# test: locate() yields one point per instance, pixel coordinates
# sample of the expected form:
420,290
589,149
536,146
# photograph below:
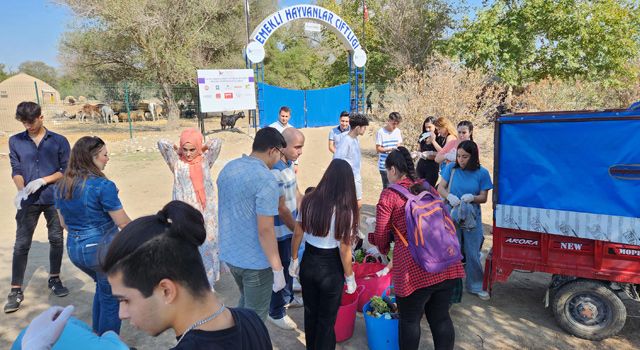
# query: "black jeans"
26,220
385,179
433,301
322,281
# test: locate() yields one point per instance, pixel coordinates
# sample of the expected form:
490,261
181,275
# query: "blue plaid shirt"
33,162
246,189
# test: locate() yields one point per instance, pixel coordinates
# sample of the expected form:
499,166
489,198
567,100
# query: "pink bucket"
374,285
346,319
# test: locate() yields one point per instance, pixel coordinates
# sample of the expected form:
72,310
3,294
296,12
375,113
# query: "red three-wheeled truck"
567,202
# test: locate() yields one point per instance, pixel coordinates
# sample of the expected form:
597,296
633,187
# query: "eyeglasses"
282,156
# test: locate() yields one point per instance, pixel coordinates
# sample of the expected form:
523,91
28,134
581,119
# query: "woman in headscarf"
191,161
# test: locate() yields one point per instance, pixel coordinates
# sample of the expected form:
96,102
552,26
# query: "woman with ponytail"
158,276
418,292
91,212
190,161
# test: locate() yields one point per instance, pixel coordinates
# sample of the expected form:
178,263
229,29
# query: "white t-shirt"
386,139
327,242
279,126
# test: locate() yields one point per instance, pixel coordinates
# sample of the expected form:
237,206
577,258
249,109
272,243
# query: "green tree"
3,75
396,35
41,71
160,42
525,41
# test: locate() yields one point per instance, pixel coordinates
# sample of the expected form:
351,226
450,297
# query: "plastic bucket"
366,276
346,318
382,334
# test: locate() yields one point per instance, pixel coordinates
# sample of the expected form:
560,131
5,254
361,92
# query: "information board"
223,90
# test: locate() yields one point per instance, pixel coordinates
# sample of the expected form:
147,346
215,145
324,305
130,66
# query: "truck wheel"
588,310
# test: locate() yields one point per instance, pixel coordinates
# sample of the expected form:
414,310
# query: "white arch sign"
260,35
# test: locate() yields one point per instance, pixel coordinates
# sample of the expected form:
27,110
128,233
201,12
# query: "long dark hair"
152,248
400,158
430,119
474,157
81,165
335,194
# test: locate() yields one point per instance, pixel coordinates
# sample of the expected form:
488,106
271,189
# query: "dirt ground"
514,318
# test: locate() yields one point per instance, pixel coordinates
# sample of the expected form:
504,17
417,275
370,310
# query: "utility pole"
246,16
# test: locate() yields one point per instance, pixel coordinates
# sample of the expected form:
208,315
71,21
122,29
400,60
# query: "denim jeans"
85,249
26,220
322,280
471,242
385,179
281,298
255,288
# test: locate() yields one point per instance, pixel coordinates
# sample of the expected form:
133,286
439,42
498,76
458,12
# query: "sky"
31,29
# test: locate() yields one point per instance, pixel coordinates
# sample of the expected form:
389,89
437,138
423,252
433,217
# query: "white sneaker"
483,295
295,303
284,323
296,285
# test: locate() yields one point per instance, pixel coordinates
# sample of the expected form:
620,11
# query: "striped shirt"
286,177
386,139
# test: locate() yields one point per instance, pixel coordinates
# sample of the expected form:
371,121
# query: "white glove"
278,281
34,185
451,156
383,272
294,268
351,284
415,155
467,198
44,330
20,196
453,200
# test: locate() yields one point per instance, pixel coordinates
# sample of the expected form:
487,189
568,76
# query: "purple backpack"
431,235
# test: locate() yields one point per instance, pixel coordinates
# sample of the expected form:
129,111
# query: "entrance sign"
226,90
308,12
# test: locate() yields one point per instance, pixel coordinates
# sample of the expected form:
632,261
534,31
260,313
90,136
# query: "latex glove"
278,281
20,196
45,329
373,251
383,272
453,200
467,198
294,268
351,284
34,185
425,154
451,156
415,155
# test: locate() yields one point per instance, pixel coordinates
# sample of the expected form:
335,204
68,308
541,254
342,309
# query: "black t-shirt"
249,333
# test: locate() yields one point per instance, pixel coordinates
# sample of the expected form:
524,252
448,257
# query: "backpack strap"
402,190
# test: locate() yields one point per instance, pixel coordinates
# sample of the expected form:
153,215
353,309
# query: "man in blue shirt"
248,197
284,172
38,158
336,133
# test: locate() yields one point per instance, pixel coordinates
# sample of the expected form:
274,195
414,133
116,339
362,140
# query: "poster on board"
223,90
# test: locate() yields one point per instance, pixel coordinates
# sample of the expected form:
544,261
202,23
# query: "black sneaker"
14,300
55,284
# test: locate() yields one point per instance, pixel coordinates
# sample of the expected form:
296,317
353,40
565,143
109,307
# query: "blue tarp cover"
565,165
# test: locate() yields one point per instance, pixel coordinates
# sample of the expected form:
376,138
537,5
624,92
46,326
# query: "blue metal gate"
309,108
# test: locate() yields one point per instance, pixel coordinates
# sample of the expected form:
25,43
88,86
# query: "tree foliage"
525,41
160,42
40,70
3,75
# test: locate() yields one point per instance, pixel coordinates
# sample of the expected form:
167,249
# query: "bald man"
284,222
